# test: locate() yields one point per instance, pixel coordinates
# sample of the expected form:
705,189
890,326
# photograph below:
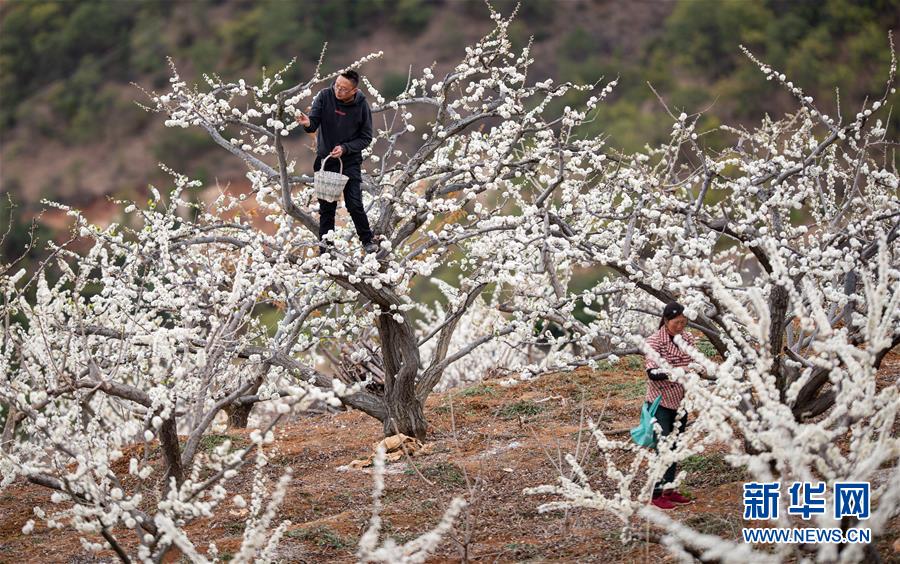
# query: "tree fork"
239,413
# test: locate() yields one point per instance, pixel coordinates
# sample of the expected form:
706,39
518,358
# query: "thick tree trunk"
408,419
9,427
239,414
778,306
168,440
400,353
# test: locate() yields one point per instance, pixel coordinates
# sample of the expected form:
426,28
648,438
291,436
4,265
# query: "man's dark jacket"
347,124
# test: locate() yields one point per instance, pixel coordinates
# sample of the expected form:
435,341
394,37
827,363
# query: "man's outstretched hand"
302,119
337,151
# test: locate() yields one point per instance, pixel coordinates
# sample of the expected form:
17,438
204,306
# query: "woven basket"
330,185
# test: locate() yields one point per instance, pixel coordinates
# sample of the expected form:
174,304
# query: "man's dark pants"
352,199
666,419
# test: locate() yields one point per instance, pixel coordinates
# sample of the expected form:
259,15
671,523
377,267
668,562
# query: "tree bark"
239,413
408,419
778,306
400,353
168,441
9,427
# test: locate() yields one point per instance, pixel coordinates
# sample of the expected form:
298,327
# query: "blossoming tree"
783,247
490,138
157,329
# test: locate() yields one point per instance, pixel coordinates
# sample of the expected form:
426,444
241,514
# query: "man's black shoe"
325,247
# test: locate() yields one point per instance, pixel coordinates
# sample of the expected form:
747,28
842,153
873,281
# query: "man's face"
344,89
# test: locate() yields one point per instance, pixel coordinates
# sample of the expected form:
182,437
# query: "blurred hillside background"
70,130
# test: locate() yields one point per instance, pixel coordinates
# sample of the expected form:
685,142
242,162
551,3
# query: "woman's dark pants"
352,199
666,419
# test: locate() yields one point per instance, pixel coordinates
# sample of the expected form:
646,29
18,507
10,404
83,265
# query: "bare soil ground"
507,439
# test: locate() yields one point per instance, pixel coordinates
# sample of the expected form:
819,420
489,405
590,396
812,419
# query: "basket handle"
322,166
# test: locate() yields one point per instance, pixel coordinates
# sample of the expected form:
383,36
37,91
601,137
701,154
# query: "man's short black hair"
352,76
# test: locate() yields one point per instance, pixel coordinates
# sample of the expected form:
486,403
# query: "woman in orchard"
671,324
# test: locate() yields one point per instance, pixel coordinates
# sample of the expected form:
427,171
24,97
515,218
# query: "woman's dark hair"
352,76
671,311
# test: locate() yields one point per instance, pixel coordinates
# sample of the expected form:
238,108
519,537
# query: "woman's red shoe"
662,502
675,497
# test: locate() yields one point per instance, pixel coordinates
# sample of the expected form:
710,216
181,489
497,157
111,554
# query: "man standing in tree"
343,119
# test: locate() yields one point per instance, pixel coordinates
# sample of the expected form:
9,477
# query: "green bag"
643,434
